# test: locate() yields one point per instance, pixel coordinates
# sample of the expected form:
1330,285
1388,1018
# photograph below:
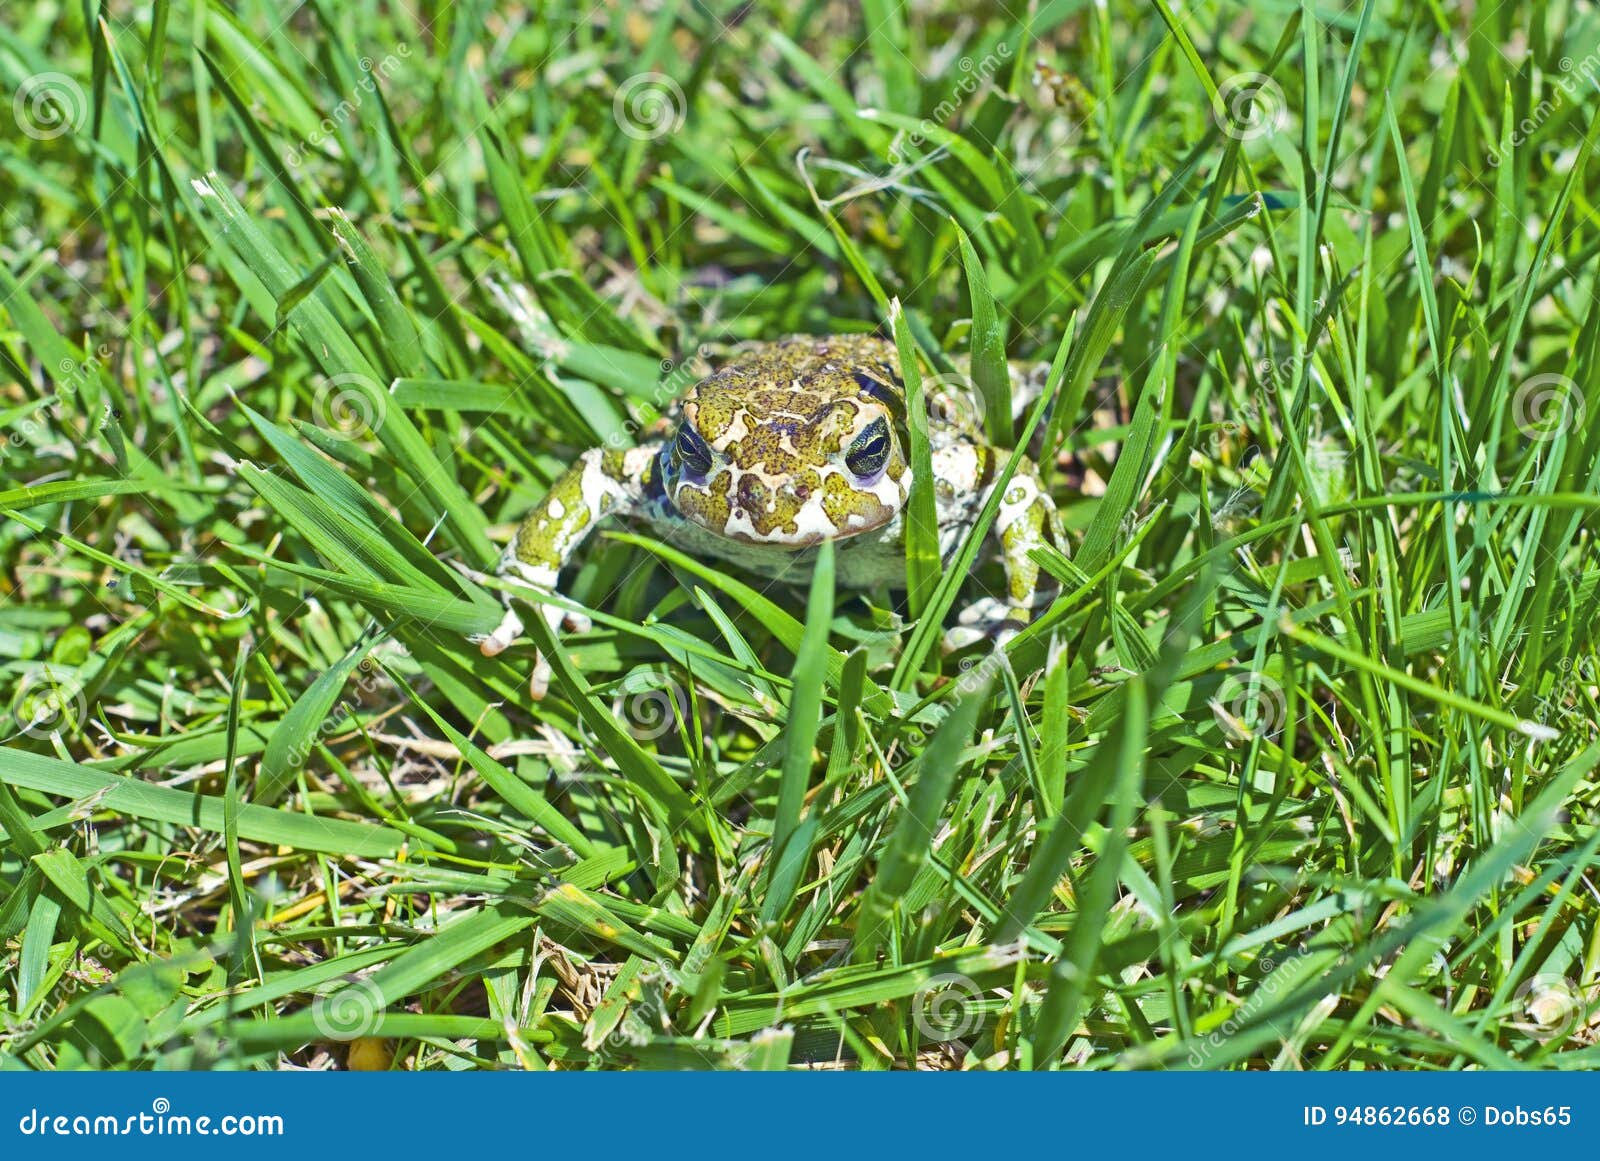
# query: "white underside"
863,561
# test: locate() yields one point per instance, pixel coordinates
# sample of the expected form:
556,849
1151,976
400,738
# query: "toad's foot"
511,627
986,619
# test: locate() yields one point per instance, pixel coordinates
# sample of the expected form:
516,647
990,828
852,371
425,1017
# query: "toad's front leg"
601,483
1026,520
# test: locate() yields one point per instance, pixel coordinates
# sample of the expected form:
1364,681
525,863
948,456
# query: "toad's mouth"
807,530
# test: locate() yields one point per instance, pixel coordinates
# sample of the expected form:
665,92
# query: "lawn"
303,305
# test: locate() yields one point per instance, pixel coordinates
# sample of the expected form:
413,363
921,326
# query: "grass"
302,305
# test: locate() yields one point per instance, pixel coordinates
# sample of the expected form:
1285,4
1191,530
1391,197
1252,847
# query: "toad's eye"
691,451
870,451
